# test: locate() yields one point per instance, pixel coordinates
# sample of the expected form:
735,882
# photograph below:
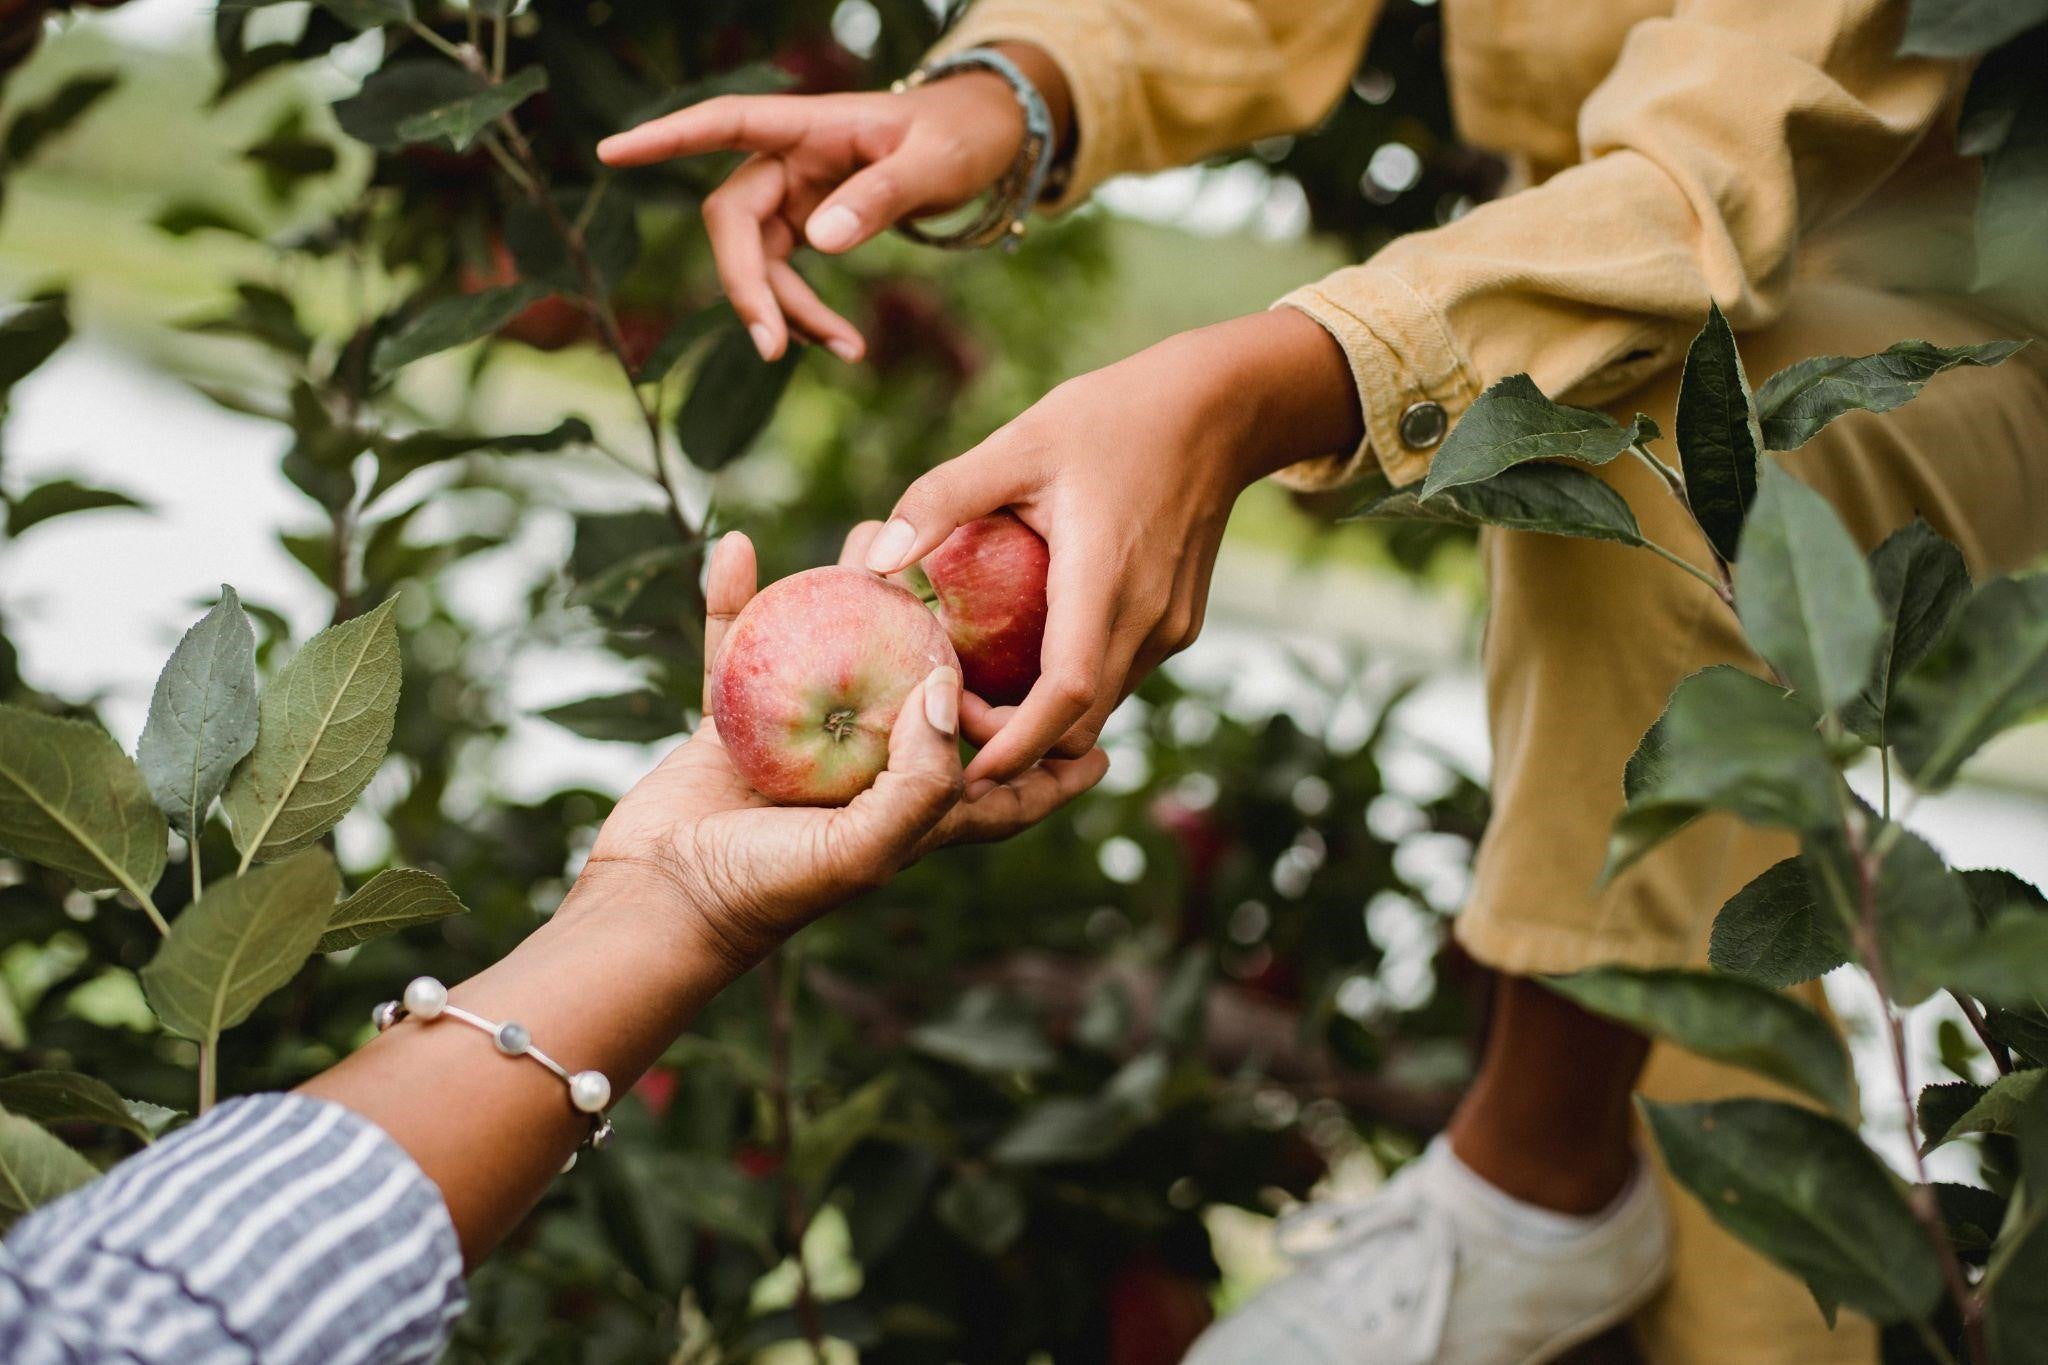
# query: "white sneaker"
1438,1267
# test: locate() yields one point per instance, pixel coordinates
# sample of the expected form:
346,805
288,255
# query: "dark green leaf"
707,1192
1798,401
640,717
397,898
460,122
1988,672
187,216
1923,915
2012,208
1972,1217
1063,1128
2024,1031
398,456
2015,1283
1719,443
261,314
1803,1189
1776,932
29,335
2005,963
71,800
1513,423
60,498
1964,28
1938,1109
1993,891
1553,499
1804,594
1726,741
35,1168
51,1097
1997,1109
731,399
987,1033
402,91
37,124
243,939
823,1141
455,322
202,715
326,721
1920,580
677,341
1725,1019
985,1211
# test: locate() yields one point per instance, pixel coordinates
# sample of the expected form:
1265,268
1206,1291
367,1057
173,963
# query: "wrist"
651,905
1281,388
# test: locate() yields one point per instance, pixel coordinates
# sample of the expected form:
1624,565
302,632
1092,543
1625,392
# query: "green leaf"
398,456
1775,931
1924,916
677,341
455,322
1803,592
1064,1128
246,937
1719,443
1798,401
396,898
1920,579
1726,741
51,1097
1996,1110
1724,1019
1513,423
262,314
37,124
202,715
461,122
35,1168
2012,208
1938,1108
29,335
731,399
395,94
1552,499
985,1211
61,498
706,1191
2015,1283
824,1141
71,800
1964,28
1803,1189
1989,671
2005,963
640,717
986,1033
326,721
188,216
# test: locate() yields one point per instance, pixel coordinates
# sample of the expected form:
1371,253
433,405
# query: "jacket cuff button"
1423,425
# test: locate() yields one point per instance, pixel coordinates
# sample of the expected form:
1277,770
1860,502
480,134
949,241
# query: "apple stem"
840,724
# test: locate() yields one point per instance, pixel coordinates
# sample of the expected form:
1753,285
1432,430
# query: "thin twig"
209,1073
2001,1058
434,40
1721,589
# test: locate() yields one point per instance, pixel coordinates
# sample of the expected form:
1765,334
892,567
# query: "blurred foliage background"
1010,1108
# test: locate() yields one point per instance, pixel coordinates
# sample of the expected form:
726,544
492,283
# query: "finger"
1078,627
853,554
734,218
809,314
728,587
878,830
1016,806
963,488
1120,672
870,201
745,123
979,721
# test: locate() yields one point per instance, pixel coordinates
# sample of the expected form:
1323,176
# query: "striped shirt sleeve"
279,1229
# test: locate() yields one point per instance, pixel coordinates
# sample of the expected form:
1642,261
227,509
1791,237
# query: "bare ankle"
1583,1180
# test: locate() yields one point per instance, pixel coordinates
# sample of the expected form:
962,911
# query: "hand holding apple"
989,577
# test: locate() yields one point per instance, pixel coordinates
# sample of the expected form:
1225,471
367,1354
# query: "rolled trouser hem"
1524,949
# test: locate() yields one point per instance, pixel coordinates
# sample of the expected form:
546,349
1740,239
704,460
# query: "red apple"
811,676
990,579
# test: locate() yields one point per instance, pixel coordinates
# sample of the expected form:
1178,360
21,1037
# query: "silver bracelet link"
1005,213
590,1092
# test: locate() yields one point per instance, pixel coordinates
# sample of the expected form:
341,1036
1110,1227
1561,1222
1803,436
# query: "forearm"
1276,384
606,984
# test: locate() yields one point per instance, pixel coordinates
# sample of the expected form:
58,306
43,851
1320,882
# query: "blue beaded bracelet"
1004,216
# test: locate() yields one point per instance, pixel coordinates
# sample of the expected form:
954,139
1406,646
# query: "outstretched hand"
753,872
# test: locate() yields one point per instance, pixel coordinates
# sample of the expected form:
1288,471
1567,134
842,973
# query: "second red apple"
989,577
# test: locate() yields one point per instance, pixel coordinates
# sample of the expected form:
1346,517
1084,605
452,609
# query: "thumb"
944,499
922,782
868,202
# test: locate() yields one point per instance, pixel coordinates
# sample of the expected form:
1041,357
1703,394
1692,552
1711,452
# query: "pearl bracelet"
426,999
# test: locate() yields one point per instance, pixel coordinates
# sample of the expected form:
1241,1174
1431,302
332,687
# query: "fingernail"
846,350
978,789
942,700
833,228
763,338
891,547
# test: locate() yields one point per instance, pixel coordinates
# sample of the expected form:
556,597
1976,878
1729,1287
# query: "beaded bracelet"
1003,218
426,999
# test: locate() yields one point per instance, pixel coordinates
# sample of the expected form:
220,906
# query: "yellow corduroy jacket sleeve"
1722,134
